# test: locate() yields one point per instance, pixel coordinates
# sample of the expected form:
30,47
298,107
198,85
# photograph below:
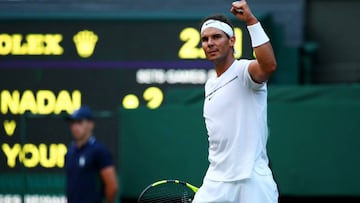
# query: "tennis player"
235,112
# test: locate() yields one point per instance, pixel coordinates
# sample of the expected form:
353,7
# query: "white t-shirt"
235,112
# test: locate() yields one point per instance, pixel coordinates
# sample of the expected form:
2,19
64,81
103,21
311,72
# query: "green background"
313,142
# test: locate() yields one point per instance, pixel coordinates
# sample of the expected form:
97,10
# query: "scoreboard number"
191,40
152,95
189,50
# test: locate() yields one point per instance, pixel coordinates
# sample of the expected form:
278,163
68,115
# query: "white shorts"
257,189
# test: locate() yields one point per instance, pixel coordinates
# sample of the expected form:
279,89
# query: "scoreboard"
142,52
107,40
49,68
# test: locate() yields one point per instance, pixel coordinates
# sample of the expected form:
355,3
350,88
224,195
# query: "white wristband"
257,35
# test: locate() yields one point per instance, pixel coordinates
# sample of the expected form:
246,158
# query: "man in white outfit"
235,112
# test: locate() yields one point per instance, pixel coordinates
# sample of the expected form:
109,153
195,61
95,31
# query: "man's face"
216,44
81,128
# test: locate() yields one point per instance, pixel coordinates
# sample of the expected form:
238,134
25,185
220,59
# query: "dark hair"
219,17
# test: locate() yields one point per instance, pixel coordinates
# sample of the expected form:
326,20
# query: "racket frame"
160,182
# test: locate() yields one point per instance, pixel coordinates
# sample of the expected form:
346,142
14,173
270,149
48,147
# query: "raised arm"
264,66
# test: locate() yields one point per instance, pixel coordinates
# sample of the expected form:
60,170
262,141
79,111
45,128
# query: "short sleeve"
103,157
247,77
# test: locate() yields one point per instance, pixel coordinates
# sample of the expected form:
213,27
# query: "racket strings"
168,193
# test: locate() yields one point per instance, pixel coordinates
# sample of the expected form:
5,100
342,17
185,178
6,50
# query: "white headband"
219,25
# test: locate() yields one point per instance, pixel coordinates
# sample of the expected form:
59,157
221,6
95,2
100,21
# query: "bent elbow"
273,66
268,66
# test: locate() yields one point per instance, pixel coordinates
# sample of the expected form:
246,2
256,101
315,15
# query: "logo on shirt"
211,94
82,161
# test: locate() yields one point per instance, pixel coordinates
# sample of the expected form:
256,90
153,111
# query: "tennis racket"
168,191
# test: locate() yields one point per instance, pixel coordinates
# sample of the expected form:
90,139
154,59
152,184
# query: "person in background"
90,172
